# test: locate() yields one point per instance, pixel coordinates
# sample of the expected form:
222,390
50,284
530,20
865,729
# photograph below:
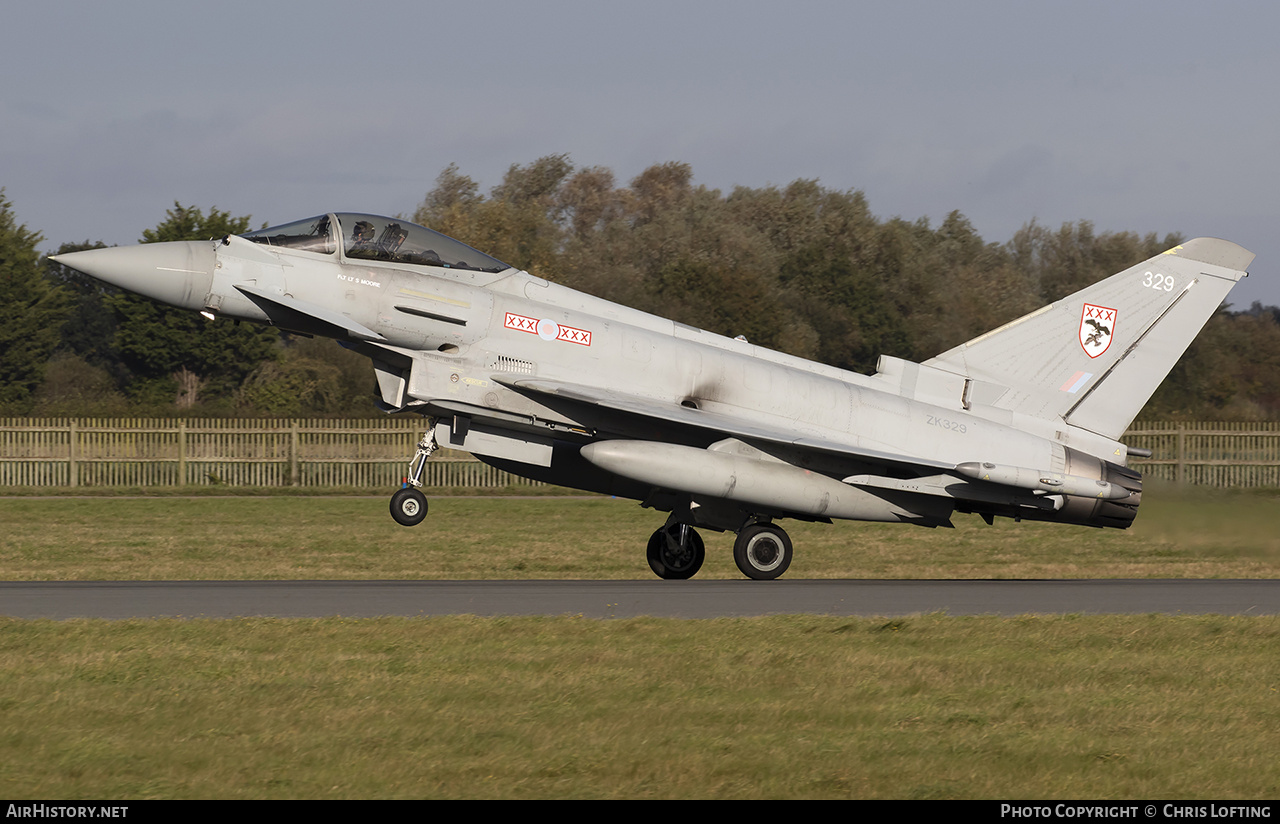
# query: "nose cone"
179,273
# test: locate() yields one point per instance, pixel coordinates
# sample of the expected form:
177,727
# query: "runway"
624,599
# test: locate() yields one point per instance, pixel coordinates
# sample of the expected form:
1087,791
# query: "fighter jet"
560,386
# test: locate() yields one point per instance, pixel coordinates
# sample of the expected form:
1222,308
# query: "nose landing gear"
408,505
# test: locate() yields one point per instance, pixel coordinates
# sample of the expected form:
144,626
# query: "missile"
1042,481
755,484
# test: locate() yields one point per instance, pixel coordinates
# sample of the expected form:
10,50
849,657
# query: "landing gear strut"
408,505
676,552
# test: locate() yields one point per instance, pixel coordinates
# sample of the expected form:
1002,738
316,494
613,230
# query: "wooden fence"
1209,454
375,453
206,452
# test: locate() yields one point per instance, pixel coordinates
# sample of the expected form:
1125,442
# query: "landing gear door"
460,433
392,385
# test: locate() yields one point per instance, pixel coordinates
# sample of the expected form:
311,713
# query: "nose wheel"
408,507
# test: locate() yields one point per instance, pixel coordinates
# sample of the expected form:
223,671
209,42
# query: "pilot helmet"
362,232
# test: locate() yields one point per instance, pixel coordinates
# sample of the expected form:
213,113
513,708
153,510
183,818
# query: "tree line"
803,269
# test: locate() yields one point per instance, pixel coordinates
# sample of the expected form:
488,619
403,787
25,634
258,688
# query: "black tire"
762,552
408,507
669,559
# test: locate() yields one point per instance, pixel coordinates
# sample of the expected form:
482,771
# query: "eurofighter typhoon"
559,386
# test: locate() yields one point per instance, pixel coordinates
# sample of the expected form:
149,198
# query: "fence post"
1181,474
293,453
182,452
73,466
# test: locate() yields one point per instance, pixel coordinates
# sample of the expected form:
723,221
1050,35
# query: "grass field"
1122,707
791,707
1177,535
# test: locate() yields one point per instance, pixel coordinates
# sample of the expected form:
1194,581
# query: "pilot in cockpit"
362,234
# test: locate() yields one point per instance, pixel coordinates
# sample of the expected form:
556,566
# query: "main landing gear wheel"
676,552
762,552
408,507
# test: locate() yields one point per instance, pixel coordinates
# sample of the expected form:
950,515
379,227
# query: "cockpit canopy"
371,237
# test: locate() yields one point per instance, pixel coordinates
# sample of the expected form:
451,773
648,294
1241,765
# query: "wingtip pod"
1215,252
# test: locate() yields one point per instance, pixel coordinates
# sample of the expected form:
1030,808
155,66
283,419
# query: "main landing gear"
762,551
408,505
676,552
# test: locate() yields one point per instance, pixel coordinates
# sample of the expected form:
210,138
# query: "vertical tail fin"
1094,358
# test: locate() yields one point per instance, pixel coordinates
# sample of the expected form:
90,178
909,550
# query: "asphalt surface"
622,599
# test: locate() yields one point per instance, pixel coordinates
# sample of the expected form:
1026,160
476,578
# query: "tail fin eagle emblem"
1097,328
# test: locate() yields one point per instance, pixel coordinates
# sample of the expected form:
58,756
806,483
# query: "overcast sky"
1139,116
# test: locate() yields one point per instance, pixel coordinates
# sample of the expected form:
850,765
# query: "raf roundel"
548,329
